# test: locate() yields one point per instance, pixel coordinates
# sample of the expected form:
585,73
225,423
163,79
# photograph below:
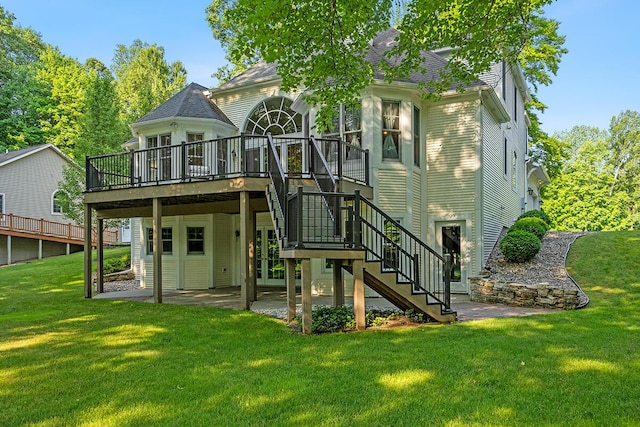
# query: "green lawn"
68,361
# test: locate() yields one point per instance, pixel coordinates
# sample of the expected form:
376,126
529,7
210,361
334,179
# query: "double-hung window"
416,136
56,209
346,125
390,130
167,240
195,150
195,240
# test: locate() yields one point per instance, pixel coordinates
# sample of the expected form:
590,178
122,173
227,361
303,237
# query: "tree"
21,95
322,46
597,188
144,79
65,79
101,131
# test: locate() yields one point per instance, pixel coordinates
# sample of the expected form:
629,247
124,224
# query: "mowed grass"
67,361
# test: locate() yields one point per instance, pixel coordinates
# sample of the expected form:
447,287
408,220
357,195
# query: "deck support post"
100,256
338,283
9,249
39,248
248,252
306,296
358,294
157,250
87,251
290,264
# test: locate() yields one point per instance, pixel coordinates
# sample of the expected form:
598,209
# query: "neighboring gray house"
32,224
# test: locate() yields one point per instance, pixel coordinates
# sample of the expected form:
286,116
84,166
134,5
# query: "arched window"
55,205
273,115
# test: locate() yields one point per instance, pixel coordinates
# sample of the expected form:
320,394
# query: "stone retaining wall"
542,295
117,276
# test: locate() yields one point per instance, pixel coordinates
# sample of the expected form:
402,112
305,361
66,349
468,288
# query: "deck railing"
45,228
244,155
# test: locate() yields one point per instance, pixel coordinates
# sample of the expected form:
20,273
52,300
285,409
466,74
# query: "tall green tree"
101,129
144,79
322,45
65,80
21,94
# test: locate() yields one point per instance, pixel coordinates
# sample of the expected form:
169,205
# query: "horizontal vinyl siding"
452,166
392,190
196,274
496,185
222,249
29,183
417,204
452,162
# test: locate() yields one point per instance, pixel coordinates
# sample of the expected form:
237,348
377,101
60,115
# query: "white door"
270,269
450,237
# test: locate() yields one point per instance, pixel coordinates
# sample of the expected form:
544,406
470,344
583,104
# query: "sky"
597,79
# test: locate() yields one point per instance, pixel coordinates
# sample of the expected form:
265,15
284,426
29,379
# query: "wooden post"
291,289
100,257
87,251
157,250
9,249
338,283
358,294
306,296
247,252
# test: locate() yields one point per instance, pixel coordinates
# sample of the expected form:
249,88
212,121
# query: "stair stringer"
400,295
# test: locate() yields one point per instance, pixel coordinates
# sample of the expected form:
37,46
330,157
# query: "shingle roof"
432,64
5,157
189,102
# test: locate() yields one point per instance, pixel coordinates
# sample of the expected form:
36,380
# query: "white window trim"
53,198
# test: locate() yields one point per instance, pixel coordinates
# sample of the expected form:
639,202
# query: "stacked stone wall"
542,295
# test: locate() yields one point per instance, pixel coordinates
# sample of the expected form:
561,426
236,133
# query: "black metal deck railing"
359,224
244,155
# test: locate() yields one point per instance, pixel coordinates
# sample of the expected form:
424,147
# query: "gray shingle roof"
5,157
432,63
189,102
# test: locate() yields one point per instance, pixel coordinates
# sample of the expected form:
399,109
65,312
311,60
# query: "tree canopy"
322,45
598,188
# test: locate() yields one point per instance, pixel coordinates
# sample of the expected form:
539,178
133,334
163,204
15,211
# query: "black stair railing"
279,181
400,251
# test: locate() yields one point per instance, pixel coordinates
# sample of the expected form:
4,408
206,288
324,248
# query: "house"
32,224
241,190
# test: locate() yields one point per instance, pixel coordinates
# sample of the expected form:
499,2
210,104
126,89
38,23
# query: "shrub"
114,265
331,319
519,246
532,225
537,214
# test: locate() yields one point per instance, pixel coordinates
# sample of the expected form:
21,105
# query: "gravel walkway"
548,266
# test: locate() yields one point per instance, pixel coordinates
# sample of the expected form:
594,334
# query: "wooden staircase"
320,222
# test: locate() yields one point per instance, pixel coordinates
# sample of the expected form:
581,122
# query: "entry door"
270,269
451,240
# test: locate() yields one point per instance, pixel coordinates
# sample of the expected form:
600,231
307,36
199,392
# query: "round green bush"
537,214
519,246
532,225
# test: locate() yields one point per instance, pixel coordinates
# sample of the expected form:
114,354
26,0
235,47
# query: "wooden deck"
34,228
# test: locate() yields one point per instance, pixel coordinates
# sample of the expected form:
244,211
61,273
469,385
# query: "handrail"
43,227
277,175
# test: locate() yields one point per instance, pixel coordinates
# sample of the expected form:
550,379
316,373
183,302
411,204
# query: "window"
159,161
390,130
195,151
167,240
1,203
416,136
515,104
505,156
195,240
346,126
514,171
55,204
275,116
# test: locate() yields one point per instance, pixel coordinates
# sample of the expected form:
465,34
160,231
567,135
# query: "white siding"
417,204
223,231
392,190
452,167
